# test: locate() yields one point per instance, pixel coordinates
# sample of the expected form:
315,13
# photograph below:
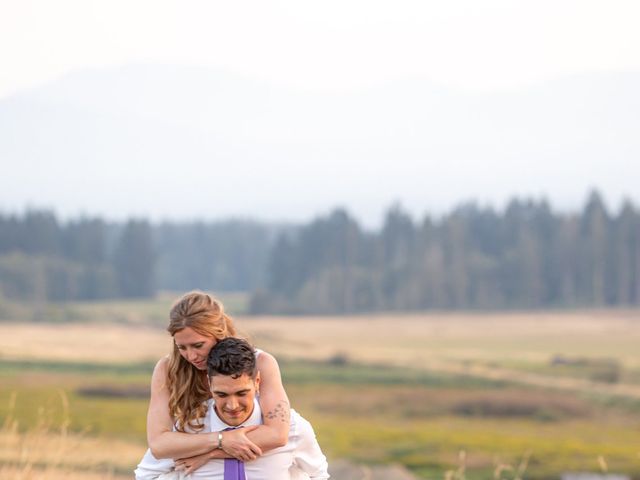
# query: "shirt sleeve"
151,468
308,456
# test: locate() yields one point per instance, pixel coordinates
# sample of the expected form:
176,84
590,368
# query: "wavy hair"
188,386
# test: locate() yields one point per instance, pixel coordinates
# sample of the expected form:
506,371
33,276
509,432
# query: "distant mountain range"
179,142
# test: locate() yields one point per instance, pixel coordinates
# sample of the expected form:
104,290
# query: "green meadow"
368,415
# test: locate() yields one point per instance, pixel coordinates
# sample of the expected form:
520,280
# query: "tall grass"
49,451
27,455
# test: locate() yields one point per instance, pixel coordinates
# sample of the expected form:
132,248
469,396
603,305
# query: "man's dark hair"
233,357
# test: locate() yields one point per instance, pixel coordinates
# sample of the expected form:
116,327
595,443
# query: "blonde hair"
188,387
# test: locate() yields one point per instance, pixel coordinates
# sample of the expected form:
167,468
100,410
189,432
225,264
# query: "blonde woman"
179,392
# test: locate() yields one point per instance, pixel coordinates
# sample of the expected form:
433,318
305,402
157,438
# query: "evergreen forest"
525,256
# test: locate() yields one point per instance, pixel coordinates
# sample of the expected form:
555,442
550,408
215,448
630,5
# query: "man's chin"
234,420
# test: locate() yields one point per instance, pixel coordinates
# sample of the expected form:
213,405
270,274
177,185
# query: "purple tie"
233,468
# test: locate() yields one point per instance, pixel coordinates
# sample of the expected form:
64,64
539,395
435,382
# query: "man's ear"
257,382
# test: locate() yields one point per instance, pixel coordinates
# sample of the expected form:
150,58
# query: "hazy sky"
485,44
479,46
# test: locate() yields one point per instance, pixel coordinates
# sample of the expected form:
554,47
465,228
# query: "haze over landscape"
422,104
180,143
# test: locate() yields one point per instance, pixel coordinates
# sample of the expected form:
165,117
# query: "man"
234,382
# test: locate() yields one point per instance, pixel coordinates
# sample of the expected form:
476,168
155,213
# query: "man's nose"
232,403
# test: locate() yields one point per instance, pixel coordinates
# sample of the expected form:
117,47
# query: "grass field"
560,389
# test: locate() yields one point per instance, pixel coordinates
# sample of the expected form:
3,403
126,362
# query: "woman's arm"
274,404
165,443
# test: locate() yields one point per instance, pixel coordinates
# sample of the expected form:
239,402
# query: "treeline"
87,259
525,256
44,259
473,258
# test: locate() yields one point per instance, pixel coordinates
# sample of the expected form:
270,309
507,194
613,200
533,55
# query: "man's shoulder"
299,427
296,418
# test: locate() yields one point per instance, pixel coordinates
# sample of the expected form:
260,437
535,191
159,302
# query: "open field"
561,389
368,415
515,347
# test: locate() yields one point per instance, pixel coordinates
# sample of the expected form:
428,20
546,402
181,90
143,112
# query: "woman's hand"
236,444
190,464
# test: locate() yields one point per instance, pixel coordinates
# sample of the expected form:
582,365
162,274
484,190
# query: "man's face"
234,397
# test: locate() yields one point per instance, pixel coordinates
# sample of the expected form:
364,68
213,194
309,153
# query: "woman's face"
194,347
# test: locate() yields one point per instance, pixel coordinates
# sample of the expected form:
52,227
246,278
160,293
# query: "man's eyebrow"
219,392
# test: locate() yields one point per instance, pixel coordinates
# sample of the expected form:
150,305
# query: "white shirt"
301,458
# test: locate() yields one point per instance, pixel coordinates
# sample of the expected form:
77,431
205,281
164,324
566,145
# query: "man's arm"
308,456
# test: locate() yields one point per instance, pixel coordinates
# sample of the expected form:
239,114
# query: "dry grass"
51,452
454,336
496,346
82,342
482,345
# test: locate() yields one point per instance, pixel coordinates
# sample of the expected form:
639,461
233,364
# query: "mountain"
187,142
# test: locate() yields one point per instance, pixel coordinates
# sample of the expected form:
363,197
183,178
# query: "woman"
180,390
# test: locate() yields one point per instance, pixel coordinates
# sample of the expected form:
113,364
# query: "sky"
473,44
481,47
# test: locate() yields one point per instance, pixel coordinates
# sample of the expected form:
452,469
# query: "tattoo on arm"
281,411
